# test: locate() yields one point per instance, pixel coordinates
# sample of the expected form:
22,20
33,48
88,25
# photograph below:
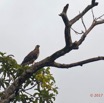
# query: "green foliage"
39,88
8,70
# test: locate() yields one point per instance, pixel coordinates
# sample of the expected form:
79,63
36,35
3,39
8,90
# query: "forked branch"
89,7
94,23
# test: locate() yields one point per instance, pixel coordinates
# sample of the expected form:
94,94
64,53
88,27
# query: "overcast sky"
26,23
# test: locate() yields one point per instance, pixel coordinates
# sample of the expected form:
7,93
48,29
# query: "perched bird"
31,57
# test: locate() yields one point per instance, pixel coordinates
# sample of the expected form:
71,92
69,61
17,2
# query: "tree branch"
99,22
68,39
80,63
83,24
83,12
94,23
64,16
7,100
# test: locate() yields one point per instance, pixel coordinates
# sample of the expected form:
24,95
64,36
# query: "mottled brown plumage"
31,57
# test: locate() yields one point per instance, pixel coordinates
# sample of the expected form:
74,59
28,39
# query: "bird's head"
37,46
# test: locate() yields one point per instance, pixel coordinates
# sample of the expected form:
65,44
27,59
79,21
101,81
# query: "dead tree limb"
79,63
94,23
68,39
89,7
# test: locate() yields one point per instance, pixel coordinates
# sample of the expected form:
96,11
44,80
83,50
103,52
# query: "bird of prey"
31,57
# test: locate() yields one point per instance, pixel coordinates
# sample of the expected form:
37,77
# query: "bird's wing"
29,57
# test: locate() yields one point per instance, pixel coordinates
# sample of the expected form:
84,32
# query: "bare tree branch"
92,14
99,22
85,34
94,23
100,17
80,63
94,3
64,16
83,12
77,31
83,24
68,39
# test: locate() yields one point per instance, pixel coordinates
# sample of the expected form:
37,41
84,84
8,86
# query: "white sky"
26,23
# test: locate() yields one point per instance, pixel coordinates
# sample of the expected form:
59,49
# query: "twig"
31,87
27,93
93,14
76,31
83,23
99,17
